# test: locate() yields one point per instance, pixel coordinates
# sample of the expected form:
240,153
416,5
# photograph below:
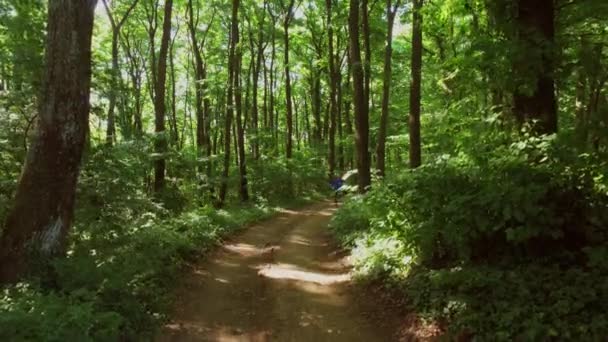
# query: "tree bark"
115,73
111,123
288,99
271,86
232,61
38,223
256,76
361,107
582,120
173,120
160,141
536,30
333,84
339,100
136,70
266,91
240,125
415,86
202,104
316,105
391,12
366,34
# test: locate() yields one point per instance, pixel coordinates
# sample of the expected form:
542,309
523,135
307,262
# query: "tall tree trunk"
339,101
288,99
333,107
272,85
232,66
391,11
415,87
235,137
361,108
297,124
347,118
240,125
536,30
326,121
582,120
266,90
173,122
111,123
316,105
135,74
160,141
38,223
366,35
307,122
115,72
256,77
202,105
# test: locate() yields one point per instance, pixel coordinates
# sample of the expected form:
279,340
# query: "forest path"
281,280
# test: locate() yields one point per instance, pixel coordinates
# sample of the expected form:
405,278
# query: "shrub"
505,246
125,251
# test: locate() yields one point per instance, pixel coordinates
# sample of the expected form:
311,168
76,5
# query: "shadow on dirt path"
281,280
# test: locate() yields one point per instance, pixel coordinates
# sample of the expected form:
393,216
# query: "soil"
284,279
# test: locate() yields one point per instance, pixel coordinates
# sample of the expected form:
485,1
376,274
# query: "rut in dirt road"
281,280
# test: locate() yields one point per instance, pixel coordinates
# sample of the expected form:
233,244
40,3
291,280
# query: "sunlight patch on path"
280,280
244,249
291,272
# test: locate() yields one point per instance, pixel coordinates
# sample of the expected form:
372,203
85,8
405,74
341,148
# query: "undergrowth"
126,250
507,245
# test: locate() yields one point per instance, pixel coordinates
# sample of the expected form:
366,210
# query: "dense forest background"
478,131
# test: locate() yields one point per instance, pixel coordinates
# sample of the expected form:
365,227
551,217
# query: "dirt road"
280,280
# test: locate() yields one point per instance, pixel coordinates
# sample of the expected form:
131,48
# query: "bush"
509,245
125,251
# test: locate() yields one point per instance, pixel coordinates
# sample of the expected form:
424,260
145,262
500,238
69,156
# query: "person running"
336,184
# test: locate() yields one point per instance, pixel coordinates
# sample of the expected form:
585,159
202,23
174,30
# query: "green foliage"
279,179
504,237
505,245
29,314
528,302
22,33
125,252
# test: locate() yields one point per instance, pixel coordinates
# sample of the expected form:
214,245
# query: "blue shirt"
336,183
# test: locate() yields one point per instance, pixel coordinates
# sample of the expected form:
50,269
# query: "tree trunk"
266,91
232,66
391,11
347,118
536,30
240,125
288,99
307,122
115,72
173,122
361,107
316,105
160,141
339,101
38,223
415,87
135,74
255,109
111,123
203,141
332,90
297,123
272,86
582,121
366,34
